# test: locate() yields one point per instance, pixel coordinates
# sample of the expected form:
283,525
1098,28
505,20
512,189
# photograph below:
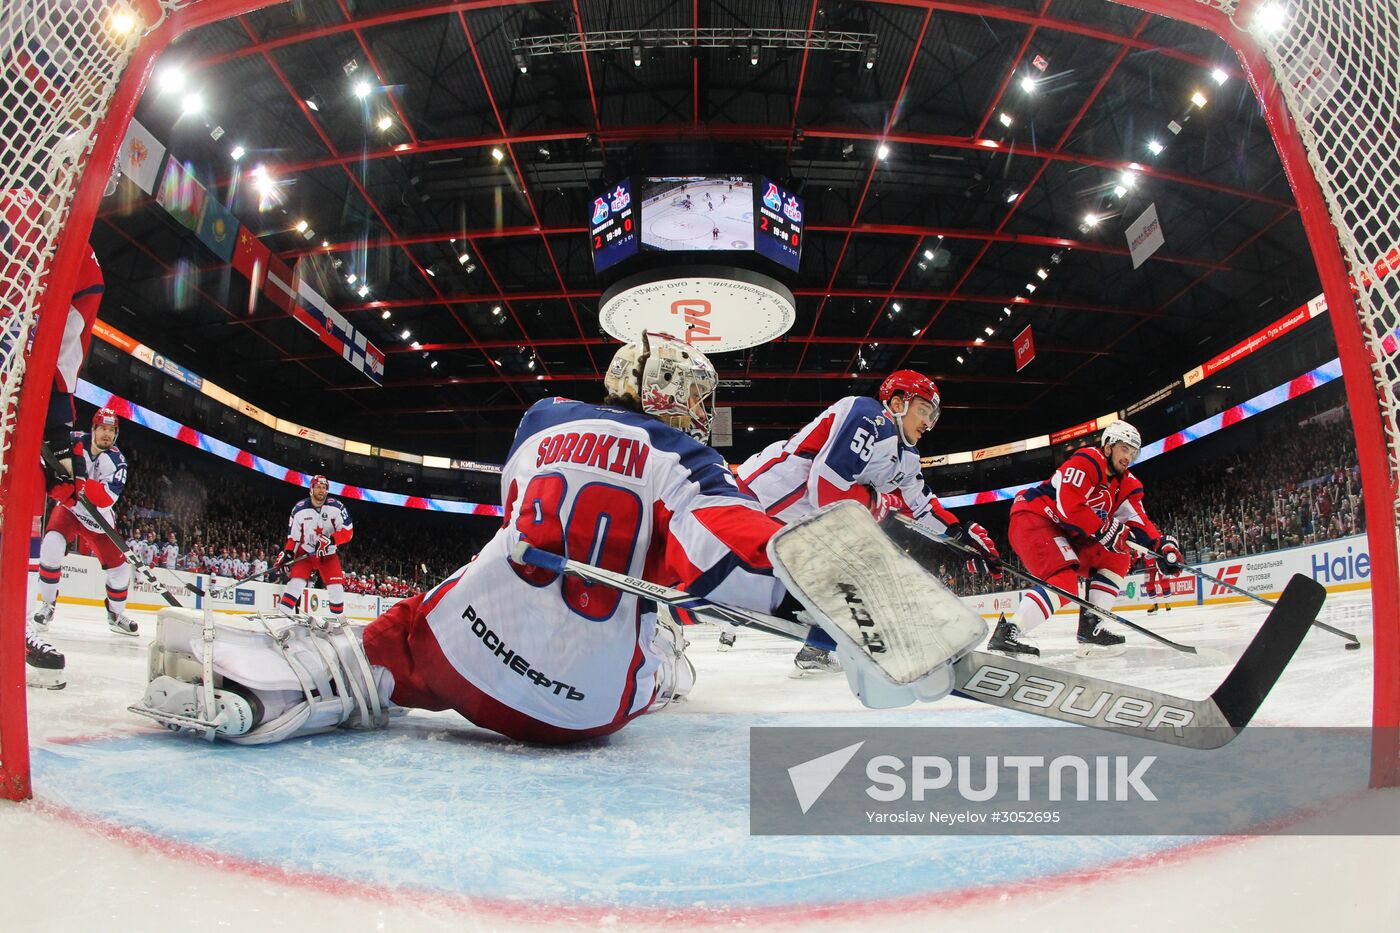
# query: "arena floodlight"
361,89
636,53
522,60
872,52
753,52
1028,84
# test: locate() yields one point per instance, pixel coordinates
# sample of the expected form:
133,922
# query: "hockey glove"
322,543
1113,536
283,559
1169,560
974,536
882,504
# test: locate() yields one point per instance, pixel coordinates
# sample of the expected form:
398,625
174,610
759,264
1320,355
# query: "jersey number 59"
601,529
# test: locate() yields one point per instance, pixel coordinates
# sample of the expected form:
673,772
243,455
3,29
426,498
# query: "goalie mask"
669,380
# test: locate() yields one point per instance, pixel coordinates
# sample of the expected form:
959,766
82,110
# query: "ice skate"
43,617
1153,609
1008,640
43,664
1096,641
810,661
121,623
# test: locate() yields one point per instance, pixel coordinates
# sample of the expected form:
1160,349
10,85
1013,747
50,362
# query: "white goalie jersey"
609,487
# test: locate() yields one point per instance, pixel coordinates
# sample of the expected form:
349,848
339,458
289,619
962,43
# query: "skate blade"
1013,655
47,680
798,673
121,631
1098,652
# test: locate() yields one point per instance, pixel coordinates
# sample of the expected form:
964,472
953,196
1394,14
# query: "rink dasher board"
1340,565
84,584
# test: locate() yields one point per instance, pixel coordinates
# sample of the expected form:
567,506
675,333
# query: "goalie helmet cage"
1326,73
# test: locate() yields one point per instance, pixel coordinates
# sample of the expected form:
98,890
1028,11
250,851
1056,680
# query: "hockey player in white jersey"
626,486
101,479
865,449
318,527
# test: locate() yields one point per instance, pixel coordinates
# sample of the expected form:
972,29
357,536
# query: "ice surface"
435,824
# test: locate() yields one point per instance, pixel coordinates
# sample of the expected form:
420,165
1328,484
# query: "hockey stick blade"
1150,714
1353,643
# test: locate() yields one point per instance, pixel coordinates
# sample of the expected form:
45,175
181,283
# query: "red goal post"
1321,69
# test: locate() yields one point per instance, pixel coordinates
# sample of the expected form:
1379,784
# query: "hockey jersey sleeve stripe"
1083,454
744,531
779,505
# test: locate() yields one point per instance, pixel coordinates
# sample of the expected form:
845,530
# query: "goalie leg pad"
675,675
896,628
308,675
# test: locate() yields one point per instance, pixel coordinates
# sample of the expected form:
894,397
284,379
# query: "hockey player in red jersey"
865,449
318,527
1077,524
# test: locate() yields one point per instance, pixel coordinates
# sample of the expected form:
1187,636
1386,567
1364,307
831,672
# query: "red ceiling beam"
520,177
259,46
379,73
968,8
875,160
1039,173
582,294
358,185
801,78
951,233
1017,380
769,133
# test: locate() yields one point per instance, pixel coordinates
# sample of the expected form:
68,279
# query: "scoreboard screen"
612,227
696,214
778,231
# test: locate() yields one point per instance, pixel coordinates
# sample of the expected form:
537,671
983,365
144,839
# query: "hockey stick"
141,566
268,569
1353,643
1036,581
1045,691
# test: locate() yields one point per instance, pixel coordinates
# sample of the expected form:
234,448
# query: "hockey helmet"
908,382
669,379
1121,432
105,416
319,480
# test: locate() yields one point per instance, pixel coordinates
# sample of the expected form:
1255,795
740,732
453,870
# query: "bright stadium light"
1155,147
1028,84
361,89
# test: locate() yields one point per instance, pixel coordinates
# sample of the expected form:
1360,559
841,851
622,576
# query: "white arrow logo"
811,778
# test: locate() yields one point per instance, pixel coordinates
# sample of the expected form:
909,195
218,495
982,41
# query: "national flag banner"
333,329
250,257
181,194
218,229
140,156
1024,345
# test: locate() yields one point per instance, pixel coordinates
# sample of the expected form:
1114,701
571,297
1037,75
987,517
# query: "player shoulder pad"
1090,455
1130,485
873,413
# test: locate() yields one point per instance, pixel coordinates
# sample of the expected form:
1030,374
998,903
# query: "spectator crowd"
232,523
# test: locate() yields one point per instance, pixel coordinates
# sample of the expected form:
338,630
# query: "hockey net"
73,69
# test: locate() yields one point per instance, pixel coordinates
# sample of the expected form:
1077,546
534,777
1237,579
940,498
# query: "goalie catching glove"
974,536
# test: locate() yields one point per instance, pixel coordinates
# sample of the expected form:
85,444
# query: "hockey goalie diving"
527,642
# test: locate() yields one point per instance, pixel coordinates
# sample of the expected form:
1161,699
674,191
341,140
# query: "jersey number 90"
601,529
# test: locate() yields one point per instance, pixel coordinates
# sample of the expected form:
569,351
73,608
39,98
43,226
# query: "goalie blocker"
898,631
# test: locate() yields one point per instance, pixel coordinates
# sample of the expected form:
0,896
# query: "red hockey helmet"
105,416
910,383
319,480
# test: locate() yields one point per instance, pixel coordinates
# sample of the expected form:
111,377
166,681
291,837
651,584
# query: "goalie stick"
1353,643
1072,597
1046,691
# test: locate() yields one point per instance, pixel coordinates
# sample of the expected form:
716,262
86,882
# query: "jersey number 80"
601,529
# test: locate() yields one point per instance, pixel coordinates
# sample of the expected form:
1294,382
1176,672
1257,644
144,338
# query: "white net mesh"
62,61
1337,64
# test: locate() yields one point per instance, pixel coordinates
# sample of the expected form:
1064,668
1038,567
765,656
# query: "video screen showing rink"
697,213
440,824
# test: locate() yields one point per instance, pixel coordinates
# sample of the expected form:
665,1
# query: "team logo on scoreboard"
620,199
772,199
791,210
600,210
